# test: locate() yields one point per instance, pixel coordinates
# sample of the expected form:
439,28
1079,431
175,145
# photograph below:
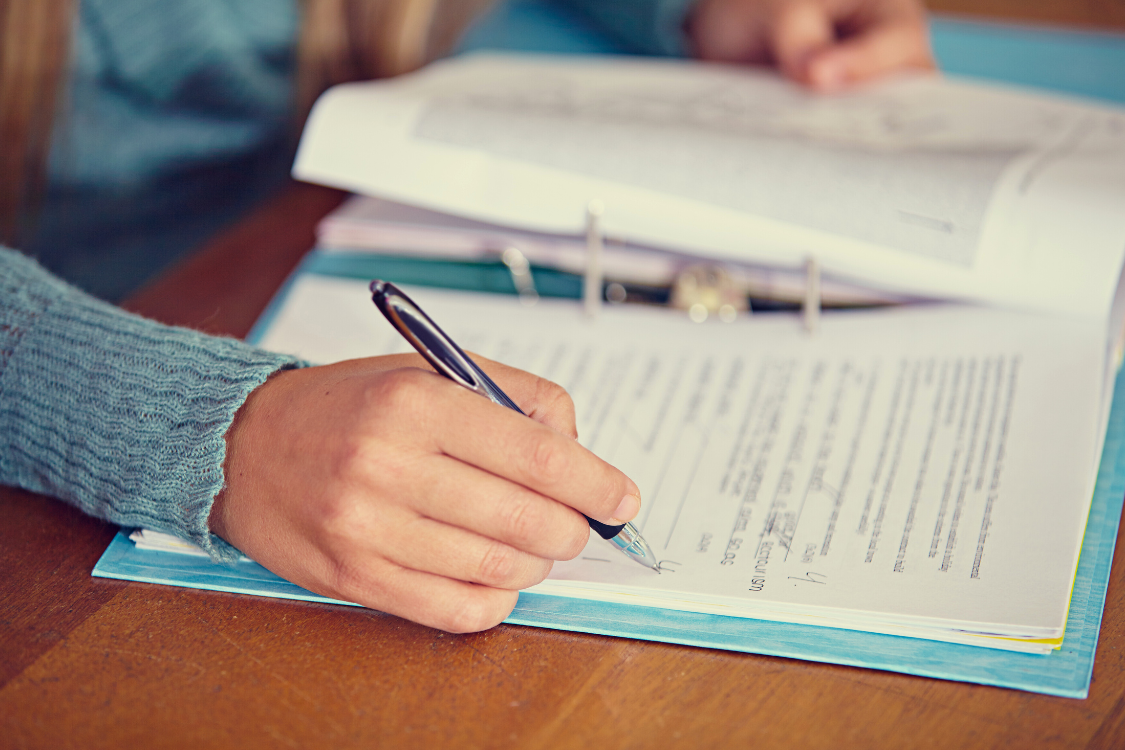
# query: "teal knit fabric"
118,415
176,119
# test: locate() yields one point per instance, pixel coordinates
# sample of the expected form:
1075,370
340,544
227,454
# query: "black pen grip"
605,531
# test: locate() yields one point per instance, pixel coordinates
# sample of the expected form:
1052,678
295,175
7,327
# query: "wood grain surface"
91,663
1106,14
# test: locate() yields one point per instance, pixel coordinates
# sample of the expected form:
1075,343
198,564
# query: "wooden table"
92,663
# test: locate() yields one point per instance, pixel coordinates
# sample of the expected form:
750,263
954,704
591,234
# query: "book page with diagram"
921,471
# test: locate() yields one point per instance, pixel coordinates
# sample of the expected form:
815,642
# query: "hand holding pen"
379,482
449,360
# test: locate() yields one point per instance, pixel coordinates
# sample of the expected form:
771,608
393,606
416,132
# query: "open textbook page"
924,186
914,471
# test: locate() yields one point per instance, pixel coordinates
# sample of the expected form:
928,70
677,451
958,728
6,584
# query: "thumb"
885,48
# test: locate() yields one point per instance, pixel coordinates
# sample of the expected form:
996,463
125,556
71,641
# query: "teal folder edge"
1066,672
1069,61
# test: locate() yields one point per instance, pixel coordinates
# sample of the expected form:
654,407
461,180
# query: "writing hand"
826,44
390,486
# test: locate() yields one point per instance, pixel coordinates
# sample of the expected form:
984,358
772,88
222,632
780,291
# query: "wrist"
239,455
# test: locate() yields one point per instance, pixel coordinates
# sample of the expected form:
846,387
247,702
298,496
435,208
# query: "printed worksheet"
922,471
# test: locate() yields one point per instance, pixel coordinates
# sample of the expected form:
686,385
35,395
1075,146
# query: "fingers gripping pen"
449,360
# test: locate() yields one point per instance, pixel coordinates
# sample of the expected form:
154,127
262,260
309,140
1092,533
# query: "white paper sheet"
921,471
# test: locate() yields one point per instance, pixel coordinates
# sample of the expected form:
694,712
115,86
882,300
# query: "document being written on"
921,472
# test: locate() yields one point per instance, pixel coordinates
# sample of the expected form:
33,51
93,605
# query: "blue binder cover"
1066,672
1074,62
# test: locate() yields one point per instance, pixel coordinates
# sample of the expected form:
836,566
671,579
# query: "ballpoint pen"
449,360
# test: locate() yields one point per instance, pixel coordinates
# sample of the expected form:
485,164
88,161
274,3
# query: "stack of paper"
365,224
922,472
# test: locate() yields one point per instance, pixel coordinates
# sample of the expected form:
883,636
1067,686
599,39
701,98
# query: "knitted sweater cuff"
121,416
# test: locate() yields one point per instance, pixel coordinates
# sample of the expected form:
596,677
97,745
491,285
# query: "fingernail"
827,75
626,511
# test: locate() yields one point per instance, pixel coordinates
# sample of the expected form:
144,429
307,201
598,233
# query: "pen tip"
376,286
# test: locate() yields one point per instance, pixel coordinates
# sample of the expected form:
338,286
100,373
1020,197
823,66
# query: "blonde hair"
341,40
34,41
349,40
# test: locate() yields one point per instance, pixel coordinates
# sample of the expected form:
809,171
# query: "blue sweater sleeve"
655,27
121,416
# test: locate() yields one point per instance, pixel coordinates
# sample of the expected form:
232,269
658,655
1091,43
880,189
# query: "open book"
923,470
925,186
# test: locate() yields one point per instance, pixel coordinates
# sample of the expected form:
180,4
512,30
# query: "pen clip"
425,336
433,344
